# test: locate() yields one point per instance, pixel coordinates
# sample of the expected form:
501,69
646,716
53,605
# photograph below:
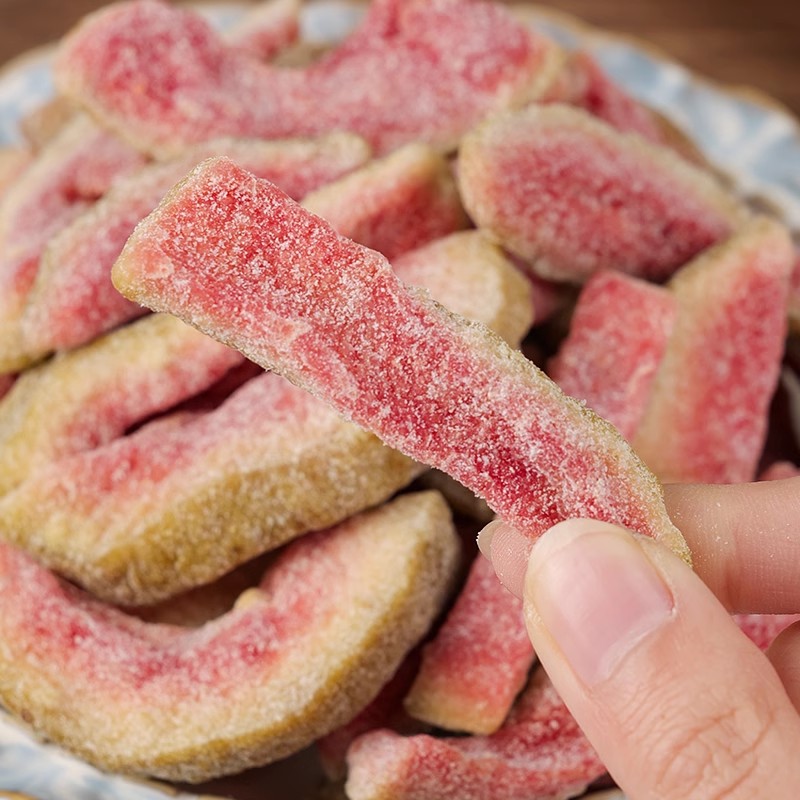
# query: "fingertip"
508,550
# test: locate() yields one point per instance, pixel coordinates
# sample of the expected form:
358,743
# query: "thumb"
675,699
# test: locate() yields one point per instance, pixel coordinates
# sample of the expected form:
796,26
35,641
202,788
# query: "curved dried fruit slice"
179,503
573,196
331,621
73,300
479,660
540,752
763,629
394,204
239,259
617,339
78,166
416,71
86,397
267,28
471,276
707,416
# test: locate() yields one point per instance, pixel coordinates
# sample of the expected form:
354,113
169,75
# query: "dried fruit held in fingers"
182,501
571,195
72,300
539,752
415,70
237,258
89,396
707,417
329,624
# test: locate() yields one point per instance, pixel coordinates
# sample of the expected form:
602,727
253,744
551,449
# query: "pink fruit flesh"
75,169
178,703
540,752
617,339
417,71
763,629
240,260
574,196
707,417
73,299
479,660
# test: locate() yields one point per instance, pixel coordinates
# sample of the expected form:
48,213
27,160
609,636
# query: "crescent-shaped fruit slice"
77,167
180,502
417,70
81,399
329,624
571,195
540,753
394,204
707,417
73,300
479,660
617,339
239,259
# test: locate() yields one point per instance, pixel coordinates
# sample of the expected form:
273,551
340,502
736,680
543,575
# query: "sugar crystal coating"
81,399
330,622
617,340
237,258
178,503
572,196
540,752
707,417
73,299
417,70
478,662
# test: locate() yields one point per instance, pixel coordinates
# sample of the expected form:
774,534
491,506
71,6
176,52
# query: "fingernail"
593,589
508,550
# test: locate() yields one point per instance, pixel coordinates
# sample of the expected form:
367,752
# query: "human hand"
676,700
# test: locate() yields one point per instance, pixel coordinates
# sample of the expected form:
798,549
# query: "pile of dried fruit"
382,225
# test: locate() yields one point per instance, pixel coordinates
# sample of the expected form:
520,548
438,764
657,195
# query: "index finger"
745,541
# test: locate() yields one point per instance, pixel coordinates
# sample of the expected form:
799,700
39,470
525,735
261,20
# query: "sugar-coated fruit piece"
572,195
81,399
394,204
239,259
479,660
385,711
779,471
13,162
267,28
73,301
417,70
329,624
78,166
540,752
763,629
706,420
617,339
472,277
173,506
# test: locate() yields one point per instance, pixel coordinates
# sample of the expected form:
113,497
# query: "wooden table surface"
742,42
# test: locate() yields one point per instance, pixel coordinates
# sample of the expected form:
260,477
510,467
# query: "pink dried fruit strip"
394,204
330,622
73,300
539,753
176,505
267,28
707,416
763,629
79,400
479,660
79,165
617,339
417,70
240,260
573,196
471,276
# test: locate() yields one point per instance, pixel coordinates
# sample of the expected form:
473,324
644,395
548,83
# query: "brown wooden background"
744,42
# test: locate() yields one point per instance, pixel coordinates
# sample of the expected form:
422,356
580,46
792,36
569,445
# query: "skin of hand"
675,699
